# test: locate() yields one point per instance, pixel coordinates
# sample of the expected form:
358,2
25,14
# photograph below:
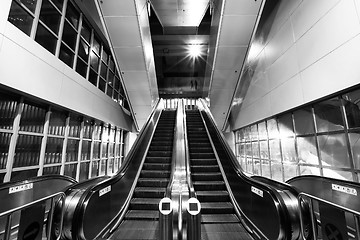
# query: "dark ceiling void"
178,73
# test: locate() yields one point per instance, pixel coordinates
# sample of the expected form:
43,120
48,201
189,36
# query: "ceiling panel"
230,58
236,30
135,81
224,79
123,31
140,99
179,13
241,7
132,59
119,8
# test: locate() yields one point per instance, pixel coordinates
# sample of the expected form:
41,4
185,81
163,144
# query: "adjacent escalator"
142,218
218,217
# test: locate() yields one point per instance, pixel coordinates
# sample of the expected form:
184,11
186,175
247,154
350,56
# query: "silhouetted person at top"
195,82
191,84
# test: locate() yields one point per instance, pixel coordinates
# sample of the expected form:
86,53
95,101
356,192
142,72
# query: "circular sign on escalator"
193,206
165,206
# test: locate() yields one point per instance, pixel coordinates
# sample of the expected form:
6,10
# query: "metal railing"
172,103
60,196
315,223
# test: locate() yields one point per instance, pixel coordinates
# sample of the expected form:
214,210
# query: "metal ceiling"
152,51
180,13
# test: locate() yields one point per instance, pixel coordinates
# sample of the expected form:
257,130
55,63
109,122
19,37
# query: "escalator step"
149,182
219,218
205,168
156,166
206,176
162,138
200,150
157,159
149,192
159,153
160,148
203,162
144,204
212,196
209,185
229,231
216,208
195,145
201,155
160,143
154,174
142,215
137,229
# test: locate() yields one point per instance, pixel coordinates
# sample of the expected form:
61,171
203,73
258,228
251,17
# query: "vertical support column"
91,149
78,169
13,140
43,143
63,155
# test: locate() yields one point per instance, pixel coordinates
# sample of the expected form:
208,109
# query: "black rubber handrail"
341,192
17,193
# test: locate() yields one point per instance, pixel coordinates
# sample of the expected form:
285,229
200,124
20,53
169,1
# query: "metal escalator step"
149,192
150,182
161,143
228,231
201,155
160,148
162,138
204,168
157,159
203,162
200,144
144,204
217,208
219,218
209,185
213,196
142,215
200,150
157,166
154,174
137,229
159,153
201,176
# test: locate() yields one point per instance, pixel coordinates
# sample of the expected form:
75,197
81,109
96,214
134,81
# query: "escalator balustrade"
142,218
219,220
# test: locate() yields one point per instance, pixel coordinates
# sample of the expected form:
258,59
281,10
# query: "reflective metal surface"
17,194
263,209
111,196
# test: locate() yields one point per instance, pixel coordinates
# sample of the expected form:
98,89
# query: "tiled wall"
306,50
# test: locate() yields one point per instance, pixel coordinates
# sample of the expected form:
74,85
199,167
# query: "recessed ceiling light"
194,50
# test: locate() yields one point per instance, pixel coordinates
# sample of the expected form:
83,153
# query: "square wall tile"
308,13
336,71
328,34
287,95
284,68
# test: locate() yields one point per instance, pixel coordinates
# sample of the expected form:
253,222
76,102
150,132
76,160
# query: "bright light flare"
194,50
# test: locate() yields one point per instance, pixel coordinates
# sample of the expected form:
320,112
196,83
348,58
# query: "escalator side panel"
218,217
142,218
259,206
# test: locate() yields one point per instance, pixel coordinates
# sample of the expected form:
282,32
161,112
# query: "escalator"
142,218
218,216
